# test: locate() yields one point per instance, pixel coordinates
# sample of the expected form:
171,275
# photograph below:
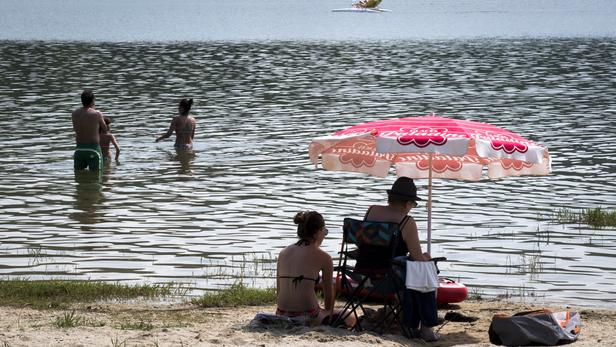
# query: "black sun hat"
404,188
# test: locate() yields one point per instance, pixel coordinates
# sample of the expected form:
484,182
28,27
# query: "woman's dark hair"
395,200
308,225
186,104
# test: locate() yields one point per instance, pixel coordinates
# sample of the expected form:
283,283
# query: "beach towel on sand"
272,321
542,327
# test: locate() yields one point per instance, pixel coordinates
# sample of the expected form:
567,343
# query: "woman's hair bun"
308,224
299,218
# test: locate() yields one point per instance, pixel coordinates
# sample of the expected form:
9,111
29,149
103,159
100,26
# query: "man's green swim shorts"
88,156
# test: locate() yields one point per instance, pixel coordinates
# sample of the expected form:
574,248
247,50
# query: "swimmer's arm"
169,132
116,145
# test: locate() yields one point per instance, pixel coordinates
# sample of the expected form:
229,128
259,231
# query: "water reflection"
107,164
88,196
185,158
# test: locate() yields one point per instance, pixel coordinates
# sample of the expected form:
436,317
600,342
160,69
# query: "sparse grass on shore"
237,295
596,217
71,320
137,325
58,293
476,294
117,343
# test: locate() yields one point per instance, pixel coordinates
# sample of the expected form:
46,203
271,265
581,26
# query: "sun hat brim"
403,196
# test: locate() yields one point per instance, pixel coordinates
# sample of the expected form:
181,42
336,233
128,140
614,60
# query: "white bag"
421,276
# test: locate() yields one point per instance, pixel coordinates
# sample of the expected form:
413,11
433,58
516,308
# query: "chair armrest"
400,260
436,260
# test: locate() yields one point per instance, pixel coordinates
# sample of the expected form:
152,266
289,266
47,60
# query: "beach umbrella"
430,147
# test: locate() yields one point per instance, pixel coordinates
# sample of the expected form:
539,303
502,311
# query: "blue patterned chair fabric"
379,234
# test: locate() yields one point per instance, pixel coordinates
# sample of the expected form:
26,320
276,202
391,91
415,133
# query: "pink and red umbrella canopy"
449,148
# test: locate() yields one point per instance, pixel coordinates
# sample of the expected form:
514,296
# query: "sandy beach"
154,324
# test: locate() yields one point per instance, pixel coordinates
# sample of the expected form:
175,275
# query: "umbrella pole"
429,203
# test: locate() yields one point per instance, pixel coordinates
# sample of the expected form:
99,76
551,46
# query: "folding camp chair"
370,246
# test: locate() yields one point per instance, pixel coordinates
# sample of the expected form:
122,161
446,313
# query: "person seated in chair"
418,307
298,270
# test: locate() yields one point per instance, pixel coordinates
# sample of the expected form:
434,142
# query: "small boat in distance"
354,9
370,6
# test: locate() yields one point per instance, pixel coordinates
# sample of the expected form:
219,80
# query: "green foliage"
54,293
70,320
237,295
596,217
141,325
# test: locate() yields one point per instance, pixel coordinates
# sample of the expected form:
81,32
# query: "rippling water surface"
157,216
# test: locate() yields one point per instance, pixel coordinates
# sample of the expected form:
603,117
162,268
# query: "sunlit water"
225,212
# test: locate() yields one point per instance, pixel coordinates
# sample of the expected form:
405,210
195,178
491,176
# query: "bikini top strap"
296,279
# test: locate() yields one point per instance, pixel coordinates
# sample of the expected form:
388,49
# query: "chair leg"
393,307
351,307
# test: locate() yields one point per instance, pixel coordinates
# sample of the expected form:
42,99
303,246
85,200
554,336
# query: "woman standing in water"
184,126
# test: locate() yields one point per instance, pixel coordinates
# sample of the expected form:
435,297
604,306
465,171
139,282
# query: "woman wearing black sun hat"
418,307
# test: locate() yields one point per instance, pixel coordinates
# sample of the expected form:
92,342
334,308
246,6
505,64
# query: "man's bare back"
86,123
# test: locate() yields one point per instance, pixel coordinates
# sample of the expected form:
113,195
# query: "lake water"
262,92
198,20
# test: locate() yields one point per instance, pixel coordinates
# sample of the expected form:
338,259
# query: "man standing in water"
86,122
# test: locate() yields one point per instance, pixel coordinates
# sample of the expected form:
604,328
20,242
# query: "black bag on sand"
535,328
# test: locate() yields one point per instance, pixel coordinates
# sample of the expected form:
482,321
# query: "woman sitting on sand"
298,271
